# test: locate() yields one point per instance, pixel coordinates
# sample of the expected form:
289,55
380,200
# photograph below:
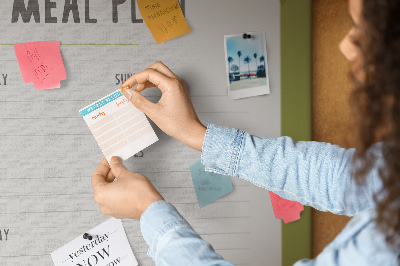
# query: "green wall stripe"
296,78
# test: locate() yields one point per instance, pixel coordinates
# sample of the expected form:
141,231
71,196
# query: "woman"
316,174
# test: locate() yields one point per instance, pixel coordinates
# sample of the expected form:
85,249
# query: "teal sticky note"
209,186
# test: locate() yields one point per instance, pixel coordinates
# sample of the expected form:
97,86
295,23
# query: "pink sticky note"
41,64
284,209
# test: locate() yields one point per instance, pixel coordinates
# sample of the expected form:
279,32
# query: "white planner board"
48,154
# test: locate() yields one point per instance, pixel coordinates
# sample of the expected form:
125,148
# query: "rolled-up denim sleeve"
312,173
172,241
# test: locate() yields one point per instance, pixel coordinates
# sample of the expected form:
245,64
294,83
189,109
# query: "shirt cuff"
158,219
222,148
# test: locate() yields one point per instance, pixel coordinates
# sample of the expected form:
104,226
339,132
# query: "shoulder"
361,243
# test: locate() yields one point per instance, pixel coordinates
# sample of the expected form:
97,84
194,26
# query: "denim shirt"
312,173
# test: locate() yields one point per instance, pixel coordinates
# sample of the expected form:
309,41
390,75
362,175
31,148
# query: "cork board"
331,89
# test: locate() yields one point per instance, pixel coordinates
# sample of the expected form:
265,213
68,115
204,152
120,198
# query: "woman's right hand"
174,113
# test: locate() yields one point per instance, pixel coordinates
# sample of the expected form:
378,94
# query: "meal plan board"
49,154
118,126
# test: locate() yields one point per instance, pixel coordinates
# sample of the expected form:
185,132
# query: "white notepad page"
118,126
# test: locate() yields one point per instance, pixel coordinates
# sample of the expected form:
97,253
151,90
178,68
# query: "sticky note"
209,186
118,126
284,209
164,18
41,64
109,246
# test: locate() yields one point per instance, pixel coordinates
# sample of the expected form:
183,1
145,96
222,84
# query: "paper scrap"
109,246
209,186
164,18
284,209
118,126
41,64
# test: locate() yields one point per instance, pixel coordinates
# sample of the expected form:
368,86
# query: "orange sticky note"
284,209
41,64
164,18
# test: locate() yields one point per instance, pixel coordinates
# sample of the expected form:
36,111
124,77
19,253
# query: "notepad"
109,246
118,126
41,64
209,186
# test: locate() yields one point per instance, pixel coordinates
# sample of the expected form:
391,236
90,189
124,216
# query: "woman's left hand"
127,197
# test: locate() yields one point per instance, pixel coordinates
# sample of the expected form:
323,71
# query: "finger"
105,210
118,169
139,87
110,177
142,86
100,174
160,67
141,102
159,80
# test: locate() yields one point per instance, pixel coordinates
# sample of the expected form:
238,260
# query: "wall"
49,154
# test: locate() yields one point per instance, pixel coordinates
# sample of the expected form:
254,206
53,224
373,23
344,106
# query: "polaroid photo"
246,65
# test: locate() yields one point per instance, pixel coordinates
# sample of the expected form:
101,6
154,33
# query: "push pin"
246,36
87,236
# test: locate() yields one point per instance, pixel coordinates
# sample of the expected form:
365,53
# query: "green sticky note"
209,186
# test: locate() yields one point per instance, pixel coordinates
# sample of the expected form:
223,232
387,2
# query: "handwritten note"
41,64
209,186
164,18
109,246
284,209
118,126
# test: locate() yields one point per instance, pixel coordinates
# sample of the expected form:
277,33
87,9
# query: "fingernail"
115,160
124,88
128,94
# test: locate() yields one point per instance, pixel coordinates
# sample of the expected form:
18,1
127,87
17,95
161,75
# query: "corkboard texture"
331,89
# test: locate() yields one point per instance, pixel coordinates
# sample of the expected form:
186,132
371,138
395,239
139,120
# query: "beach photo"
246,65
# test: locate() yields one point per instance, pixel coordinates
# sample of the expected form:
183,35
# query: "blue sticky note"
209,186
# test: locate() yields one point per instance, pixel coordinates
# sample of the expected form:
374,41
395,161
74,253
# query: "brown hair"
375,101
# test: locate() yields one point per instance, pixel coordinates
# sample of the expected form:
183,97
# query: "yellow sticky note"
164,18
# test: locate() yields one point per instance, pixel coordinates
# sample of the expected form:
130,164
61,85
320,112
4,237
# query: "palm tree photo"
234,68
255,60
247,60
262,59
239,53
230,60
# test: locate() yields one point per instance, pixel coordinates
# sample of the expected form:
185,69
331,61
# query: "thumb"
117,167
100,174
139,101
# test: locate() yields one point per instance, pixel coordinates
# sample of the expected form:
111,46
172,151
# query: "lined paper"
118,126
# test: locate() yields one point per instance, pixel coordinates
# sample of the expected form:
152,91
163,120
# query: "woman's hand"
174,113
127,197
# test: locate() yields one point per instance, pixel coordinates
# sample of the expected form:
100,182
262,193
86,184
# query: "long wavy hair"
375,103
